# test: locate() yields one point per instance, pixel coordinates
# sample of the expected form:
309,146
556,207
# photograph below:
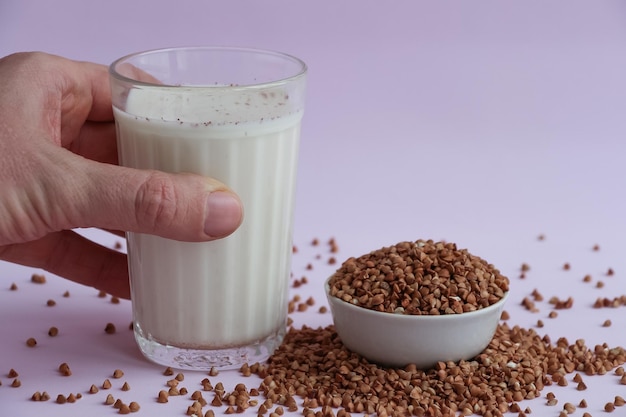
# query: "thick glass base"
205,359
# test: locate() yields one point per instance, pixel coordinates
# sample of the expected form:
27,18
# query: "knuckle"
155,203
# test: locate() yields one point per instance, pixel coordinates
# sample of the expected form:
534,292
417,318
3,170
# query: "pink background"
485,123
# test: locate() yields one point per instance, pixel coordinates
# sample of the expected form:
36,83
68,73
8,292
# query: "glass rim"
279,81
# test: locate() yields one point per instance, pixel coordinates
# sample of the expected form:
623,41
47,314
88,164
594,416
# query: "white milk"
230,292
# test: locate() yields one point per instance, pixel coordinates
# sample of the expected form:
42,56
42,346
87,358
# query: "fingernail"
223,214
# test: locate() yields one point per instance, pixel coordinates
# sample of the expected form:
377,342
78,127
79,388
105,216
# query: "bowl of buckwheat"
418,302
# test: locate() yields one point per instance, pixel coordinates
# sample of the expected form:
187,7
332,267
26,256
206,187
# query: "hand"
58,171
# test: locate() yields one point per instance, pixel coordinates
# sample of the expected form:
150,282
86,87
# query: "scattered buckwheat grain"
64,369
38,278
163,397
313,364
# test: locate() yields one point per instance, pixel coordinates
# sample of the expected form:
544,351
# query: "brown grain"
414,278
38,278
64,369
37,396
313,364
163,397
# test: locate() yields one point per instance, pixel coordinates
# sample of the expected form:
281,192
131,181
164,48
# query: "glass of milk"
232,114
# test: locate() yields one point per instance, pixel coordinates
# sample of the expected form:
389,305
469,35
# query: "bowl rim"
396,316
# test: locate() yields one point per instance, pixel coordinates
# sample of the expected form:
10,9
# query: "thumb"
183,206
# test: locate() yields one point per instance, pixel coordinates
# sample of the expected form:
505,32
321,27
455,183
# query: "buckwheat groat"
419,278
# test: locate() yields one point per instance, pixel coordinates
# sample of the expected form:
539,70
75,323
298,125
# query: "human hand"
58,172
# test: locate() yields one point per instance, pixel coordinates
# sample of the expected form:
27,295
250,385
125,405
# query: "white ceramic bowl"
397,340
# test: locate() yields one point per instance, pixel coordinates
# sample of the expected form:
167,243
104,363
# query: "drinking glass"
233,114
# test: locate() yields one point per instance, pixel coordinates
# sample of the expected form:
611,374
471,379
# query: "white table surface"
482,123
